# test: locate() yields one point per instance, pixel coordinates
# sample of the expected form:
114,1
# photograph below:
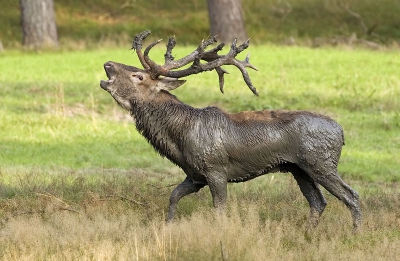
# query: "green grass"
54,114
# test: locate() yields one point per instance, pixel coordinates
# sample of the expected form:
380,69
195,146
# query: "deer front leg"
185,188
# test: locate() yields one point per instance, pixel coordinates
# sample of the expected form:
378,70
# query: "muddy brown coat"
214,147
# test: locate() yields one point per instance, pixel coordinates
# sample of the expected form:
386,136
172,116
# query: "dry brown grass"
120,216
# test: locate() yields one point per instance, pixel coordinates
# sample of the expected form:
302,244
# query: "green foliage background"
94,22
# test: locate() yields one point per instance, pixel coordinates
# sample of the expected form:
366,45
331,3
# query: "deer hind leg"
332,182
312,193
218,188
185,188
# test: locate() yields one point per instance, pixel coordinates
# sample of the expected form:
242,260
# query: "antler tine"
137,46
246,76
241,65
147,50
154,69
246,63
171,44
220,71
212,55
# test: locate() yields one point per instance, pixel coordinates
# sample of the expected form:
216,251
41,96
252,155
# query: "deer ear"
169,84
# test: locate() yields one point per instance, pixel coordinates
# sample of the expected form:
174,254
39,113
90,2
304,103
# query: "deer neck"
163,123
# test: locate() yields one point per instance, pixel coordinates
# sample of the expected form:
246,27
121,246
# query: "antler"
213,59
137,46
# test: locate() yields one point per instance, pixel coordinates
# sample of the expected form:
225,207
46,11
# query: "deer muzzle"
110,71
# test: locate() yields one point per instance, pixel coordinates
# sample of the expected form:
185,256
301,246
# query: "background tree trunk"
38,22
226,20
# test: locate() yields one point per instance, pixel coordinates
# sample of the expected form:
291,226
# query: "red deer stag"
214,147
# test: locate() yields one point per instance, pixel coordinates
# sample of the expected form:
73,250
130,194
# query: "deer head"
127,82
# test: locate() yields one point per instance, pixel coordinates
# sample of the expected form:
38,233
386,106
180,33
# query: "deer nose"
108,65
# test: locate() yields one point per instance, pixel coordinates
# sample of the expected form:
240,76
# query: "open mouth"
104,84
111,78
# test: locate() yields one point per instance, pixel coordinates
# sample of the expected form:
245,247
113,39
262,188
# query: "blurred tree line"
39,27
313,22
38,23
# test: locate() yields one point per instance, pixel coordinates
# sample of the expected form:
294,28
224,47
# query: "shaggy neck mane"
162,122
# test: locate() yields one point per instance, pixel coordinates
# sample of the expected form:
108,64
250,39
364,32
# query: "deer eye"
139,76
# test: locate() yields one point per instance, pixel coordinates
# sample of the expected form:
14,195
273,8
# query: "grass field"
78,182
119,215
